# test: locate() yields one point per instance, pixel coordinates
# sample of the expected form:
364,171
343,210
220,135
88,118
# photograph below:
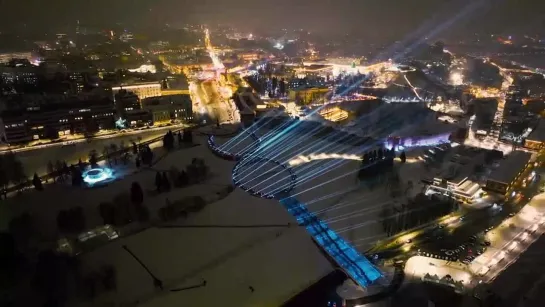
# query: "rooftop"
459,163
538,134
277,262
510,167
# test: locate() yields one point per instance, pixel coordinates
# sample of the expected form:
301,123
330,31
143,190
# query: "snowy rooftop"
510,167
460,163
538,134
277,262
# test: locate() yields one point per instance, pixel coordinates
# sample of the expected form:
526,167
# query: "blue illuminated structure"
356,266
224,154
269,194
347,257
98,175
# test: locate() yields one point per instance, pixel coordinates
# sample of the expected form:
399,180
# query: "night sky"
368,17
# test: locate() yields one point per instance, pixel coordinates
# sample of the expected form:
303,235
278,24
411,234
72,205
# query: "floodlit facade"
536,139
504,178
142,90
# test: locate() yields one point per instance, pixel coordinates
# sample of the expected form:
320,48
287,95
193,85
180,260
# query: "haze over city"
272,153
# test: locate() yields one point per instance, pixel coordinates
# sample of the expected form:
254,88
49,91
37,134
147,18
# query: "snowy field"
277,263
327,182
46,204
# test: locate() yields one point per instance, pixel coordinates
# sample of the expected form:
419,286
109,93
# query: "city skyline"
371,18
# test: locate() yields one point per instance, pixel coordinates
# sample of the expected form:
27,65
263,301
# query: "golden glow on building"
334,114
308,95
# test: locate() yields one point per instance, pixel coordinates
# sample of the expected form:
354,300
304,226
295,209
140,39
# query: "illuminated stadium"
312,170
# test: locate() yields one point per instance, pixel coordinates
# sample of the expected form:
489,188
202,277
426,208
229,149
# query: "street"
35,159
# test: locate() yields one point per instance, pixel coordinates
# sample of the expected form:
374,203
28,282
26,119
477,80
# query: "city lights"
456,79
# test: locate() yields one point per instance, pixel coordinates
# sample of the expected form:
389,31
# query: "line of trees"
125,208
104,279
11,171
71,220
418,211
376,162
170,138
181,208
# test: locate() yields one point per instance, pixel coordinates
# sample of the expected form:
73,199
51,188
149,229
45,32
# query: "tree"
4,178
147,155
22,229
106,154
50,170
282,87
107,212
58,170
137,195
168,140
18,173
188,136
37,183
180,139
10,260
403,157
65,169
113,152
93,161
274,84
51,276
77,177
158,181
165,182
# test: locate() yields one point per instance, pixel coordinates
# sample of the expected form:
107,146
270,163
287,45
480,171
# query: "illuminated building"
249,56
169,108
138,118
53,119
145,68
142,90
464,190
24,74
306,95
6,57
453,178
333,114
504,179
537,137
126,101
126,37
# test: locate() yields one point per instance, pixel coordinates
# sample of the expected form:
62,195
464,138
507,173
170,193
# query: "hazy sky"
389,17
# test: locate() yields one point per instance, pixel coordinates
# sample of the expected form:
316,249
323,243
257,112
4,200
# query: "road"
35,159
456,231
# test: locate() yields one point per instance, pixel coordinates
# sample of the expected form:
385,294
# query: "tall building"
142,90
53,119
171,108
126,101
505,178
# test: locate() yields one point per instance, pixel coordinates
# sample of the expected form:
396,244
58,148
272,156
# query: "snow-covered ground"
277,263
328,183
45,205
